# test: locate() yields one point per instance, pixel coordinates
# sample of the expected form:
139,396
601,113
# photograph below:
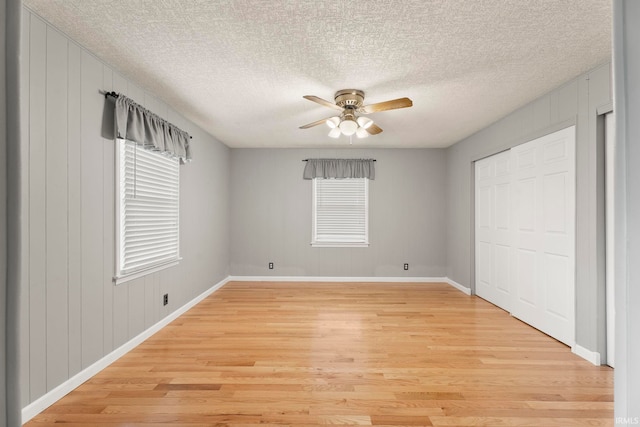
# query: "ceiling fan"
350,104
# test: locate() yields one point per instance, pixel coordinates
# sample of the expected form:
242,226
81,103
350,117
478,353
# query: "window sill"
136,275
339,245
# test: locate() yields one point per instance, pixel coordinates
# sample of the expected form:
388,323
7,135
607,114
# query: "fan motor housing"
349,98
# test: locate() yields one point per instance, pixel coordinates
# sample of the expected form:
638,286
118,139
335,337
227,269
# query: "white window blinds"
340,212
148,209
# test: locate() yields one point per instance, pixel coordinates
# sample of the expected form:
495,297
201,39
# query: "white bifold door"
525,232
493,229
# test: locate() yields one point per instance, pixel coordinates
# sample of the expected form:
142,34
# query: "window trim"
120,277
336,244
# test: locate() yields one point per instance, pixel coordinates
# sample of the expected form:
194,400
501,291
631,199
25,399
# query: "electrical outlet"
270,266
165,299
406,266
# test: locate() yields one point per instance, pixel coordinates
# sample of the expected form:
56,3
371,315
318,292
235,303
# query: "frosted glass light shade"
335,132
364,122
333,122
362,133
348,127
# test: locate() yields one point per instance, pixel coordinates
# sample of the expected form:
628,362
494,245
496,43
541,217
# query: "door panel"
501,267
493,228
545,231
526,205
556,274
555,209
484,267
525,280
484,208
525,232
502,206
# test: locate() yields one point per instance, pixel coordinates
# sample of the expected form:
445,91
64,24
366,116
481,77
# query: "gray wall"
626,54
71,312
576,102
3,218
271,215
10,405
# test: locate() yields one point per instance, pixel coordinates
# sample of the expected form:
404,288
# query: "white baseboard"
458,286
588,355
338,279
39,405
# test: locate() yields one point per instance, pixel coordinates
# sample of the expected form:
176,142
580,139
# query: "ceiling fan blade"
374,129
386,105
322,102
316,123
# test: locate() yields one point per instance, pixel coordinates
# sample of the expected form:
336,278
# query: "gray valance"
340,168
136,123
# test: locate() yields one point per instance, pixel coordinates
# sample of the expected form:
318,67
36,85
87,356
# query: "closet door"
493,228
543,243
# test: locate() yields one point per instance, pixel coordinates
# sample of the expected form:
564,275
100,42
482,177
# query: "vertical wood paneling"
121,292
154,104
166,285
74,205
163,288
136,306
37,209
72,315
108,180
136,93
157,297
25,340
7,320
541,114
56,213
567,97
150,299
92,210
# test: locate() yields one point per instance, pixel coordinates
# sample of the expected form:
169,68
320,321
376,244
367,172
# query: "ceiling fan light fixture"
364,122
333,122
362,133
348,127
350,103
335,132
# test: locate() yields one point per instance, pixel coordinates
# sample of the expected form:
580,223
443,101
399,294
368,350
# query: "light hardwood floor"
352,354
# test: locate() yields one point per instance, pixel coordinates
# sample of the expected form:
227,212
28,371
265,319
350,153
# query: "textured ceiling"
239,69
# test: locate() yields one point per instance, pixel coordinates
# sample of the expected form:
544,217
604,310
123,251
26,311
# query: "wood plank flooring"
274,354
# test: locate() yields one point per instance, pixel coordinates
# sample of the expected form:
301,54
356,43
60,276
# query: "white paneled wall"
72,314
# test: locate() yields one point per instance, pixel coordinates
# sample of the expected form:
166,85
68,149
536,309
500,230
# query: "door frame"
606,149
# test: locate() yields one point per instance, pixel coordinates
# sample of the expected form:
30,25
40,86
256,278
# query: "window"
340,212
147,211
